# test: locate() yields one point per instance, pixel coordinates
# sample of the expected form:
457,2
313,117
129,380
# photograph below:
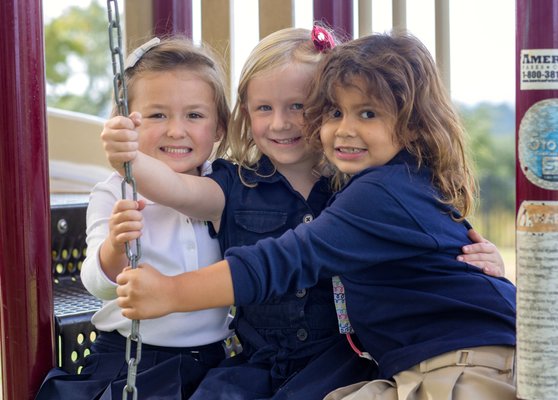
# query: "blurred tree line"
78,61
78,41
492,138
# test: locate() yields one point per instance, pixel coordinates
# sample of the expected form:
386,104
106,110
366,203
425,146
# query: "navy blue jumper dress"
291,343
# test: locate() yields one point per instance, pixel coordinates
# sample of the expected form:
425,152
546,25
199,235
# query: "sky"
482,39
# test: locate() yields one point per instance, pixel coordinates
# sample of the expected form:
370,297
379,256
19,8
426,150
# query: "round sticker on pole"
538,144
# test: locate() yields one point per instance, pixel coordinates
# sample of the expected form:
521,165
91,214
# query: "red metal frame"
25,275
336,13
172,17
537,28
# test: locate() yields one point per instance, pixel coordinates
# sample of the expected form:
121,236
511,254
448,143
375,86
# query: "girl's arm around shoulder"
483,254
192,195
196,196
144,293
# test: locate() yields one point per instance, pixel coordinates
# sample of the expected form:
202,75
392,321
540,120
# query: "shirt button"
190,245
300,293
307,218
302,335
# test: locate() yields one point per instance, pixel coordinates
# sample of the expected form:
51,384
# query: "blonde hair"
403,82
283,47
177,52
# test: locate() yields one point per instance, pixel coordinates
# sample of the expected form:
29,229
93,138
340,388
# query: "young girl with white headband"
177,97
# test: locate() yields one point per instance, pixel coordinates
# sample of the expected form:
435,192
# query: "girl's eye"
368,114
156,115
335,113
297,106
194,115
264,108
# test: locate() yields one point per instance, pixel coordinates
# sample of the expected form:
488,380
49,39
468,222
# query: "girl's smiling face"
354,137
179,118
275,101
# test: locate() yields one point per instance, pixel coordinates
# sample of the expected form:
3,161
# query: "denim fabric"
237,378
283,335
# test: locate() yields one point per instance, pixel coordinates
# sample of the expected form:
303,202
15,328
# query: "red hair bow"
322,39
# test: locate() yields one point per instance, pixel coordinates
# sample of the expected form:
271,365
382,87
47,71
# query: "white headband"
138,53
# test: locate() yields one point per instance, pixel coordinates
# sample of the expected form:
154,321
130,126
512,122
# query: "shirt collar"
263,171
205,169
403,157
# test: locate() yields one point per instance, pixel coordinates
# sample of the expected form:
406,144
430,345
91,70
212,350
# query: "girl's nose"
280,121
176,128
344,129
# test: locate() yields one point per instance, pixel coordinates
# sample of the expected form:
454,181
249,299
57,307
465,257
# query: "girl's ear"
219,134
244,111
413,136
246,118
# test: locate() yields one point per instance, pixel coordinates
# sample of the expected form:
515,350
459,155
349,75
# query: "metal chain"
121,99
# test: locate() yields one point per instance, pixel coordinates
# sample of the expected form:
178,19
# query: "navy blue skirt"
168,373
241,378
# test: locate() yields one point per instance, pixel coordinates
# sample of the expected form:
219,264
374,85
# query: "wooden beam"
275,15
399,14
138,25
443,41
364,17
216,30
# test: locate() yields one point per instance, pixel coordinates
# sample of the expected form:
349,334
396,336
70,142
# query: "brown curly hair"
403,82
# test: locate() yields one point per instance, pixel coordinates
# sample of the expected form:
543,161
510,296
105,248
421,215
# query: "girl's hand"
483,254
125,223
120,139
144,292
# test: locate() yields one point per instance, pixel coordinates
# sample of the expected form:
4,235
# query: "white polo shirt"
171,242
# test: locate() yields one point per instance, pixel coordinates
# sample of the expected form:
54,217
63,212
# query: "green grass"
508,254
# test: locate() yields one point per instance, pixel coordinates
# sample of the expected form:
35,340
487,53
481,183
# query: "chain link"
133,358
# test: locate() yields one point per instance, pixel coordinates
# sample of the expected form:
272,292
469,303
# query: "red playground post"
25,274
537,198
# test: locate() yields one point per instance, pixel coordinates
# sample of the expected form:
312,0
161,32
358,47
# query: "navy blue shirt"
301,322
394,246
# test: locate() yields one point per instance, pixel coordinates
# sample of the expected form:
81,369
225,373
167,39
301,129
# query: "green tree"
77,50
491,133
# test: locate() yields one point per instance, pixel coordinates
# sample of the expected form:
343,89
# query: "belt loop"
497,357
464,358
196,355
510,362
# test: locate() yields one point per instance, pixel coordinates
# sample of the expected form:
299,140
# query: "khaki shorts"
479,373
